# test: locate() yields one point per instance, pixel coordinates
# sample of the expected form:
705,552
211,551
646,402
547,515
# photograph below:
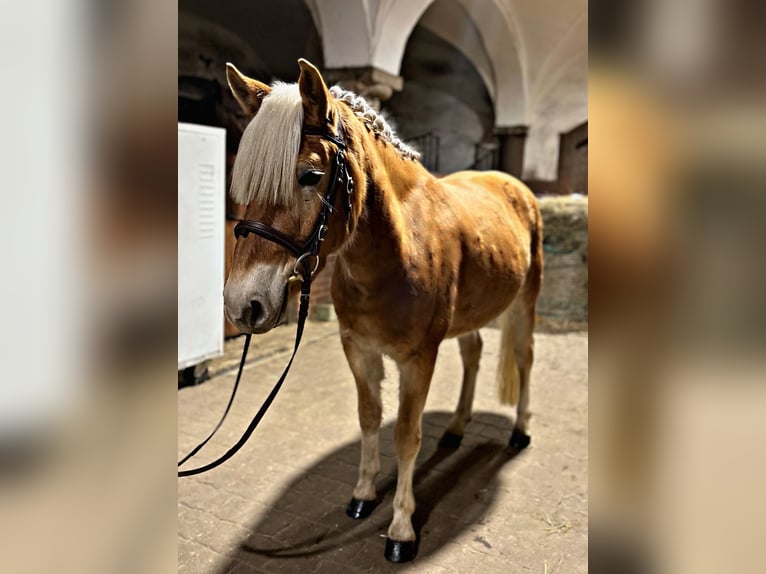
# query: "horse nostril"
256,311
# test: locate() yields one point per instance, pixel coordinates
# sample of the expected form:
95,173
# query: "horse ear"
248,92
315,95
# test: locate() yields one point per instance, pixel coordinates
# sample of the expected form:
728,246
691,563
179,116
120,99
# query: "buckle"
300,260
322,232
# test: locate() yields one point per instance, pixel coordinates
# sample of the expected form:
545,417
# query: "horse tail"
508,381
517,322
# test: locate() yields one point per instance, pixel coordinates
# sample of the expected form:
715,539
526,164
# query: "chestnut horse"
419,259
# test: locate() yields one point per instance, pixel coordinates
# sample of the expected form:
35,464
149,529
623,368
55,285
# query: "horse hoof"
360,508
450,440
519,439
397,551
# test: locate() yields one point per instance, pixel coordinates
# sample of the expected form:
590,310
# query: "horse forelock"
264,170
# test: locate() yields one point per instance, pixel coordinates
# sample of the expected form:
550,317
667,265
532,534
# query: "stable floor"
279,504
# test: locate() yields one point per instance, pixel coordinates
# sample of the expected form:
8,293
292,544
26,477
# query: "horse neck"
382,228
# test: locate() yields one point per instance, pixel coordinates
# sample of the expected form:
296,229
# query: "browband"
321,132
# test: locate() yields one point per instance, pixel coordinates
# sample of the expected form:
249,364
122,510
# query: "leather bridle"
302,270
310,247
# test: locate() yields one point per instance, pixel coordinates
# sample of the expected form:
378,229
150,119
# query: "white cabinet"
201,224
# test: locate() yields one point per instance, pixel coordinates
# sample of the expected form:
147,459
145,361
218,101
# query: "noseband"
302,269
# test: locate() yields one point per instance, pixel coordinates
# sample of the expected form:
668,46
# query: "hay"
563,301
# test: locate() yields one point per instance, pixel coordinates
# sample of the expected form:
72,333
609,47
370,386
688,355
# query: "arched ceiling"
449,20
346,29
531,55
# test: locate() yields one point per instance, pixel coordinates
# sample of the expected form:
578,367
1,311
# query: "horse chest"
395,311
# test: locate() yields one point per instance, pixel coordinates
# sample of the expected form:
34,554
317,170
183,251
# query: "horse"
419,259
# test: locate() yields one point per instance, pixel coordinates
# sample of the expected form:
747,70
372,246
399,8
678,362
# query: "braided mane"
373,121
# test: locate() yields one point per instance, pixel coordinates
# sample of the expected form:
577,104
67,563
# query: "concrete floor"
279,504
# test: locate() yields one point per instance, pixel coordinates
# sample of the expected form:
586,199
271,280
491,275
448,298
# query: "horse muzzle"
253,310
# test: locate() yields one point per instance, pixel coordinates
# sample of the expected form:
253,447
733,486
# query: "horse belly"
491,275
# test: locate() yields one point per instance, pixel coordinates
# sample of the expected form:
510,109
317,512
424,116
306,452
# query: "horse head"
290,172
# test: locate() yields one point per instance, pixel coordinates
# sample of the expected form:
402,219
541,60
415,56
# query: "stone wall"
563,301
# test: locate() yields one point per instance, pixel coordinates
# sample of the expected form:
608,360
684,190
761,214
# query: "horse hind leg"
524,352
516,356
470,351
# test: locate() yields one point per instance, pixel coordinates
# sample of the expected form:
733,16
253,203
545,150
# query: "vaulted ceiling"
532,56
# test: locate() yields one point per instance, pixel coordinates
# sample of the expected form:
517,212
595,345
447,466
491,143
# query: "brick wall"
320,287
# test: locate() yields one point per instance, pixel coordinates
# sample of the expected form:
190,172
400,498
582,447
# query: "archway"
445,93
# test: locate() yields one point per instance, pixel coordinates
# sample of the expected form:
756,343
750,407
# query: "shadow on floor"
306,529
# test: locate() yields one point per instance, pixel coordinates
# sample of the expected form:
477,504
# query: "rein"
302,270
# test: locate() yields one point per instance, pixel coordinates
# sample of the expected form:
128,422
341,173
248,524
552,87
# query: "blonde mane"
264,170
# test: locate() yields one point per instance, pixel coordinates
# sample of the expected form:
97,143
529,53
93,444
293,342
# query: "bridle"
311,246
302,270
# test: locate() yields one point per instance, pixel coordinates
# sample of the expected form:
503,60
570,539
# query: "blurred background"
677,322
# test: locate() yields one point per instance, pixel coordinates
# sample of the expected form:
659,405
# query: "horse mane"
264,170
373,121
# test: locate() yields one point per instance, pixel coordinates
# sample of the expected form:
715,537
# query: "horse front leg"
367,368
415,378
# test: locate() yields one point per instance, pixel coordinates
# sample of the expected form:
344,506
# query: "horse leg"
415,378
470,351
367,368
522,324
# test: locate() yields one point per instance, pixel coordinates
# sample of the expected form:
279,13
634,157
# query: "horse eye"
310,178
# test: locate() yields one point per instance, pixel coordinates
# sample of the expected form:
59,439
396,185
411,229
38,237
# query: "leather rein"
302,270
